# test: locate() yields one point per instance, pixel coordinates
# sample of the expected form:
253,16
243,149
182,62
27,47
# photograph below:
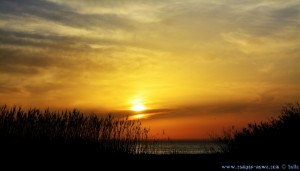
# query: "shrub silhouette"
278,137
68,132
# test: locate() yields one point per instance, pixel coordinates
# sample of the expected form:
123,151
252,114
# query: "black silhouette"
278,138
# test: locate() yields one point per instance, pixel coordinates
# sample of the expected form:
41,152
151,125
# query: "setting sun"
192,68
138,107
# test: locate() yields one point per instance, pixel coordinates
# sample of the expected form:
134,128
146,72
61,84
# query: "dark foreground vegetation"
279,137
68,132
71,139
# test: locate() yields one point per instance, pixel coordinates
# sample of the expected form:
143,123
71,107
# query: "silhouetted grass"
62,135
278,137
65,132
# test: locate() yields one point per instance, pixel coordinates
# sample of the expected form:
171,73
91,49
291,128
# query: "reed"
70,130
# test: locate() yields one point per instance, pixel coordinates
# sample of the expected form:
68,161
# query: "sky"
198,67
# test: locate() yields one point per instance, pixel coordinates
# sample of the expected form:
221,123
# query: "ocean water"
182,147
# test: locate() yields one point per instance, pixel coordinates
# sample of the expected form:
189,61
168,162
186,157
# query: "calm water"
183,147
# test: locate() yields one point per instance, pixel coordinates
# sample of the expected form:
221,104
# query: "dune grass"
69,131
277,137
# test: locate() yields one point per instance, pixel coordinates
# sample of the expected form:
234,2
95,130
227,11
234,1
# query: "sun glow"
138,117
138,107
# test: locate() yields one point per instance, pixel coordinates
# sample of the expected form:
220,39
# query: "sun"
138,107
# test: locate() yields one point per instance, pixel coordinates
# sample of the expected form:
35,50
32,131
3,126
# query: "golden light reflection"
138,117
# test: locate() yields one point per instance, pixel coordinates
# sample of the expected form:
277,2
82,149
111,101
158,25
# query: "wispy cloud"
175,53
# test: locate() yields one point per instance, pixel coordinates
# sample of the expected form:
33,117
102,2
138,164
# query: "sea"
182,147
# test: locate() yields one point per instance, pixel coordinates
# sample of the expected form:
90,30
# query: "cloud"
180,52
6,89
270,17
138,11
48,11
256,109
259,24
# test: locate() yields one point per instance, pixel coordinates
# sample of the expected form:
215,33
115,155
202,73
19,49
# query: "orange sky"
197,66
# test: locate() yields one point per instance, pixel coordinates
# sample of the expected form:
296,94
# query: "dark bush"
278,137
